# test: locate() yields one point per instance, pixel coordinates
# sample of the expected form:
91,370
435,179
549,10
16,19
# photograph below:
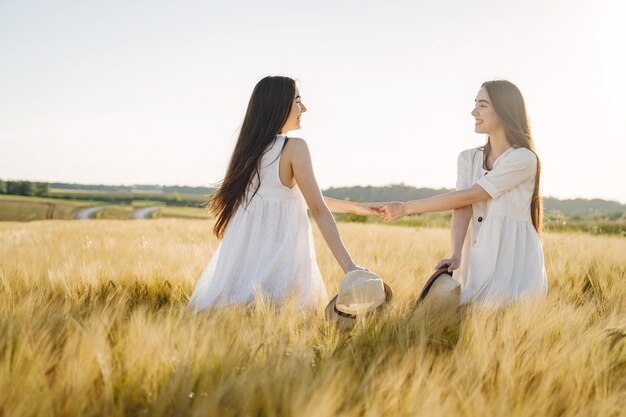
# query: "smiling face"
487,119
293,120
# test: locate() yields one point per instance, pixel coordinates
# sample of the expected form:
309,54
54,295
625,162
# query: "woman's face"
487,120
293,120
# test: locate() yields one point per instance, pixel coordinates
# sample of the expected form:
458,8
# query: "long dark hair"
508,103
268,110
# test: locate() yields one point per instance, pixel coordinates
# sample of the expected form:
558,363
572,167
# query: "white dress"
267,250
502,259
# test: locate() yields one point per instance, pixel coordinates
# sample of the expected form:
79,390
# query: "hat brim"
441,293
346,321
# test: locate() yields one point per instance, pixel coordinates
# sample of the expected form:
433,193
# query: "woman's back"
267,250
269,176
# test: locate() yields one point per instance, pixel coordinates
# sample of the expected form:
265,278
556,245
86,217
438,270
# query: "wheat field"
93,322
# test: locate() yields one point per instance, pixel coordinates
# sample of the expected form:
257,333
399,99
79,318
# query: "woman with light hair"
496,251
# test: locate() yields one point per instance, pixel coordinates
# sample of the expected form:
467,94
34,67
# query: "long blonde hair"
508,103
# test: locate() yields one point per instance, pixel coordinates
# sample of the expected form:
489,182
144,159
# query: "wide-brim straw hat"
441,295
378,294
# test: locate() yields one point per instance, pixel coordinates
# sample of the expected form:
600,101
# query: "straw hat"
441,295
360,293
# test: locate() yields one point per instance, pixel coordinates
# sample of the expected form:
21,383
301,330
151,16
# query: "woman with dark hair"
260,208
501,259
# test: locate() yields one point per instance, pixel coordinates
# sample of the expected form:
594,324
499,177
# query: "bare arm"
448,201
458,229
300,159
346,206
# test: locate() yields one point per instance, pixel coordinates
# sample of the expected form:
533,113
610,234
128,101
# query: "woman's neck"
497,146
498,143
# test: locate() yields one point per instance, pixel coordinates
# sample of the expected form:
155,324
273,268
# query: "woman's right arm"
302,167
347,206
458,229
460,216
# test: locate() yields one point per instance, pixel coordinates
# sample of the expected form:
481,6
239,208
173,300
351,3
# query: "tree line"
27,188
167,189
175,195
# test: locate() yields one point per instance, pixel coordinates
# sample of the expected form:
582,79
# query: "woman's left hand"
354,267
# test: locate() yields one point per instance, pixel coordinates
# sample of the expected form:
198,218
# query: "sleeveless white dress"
267,251
502,259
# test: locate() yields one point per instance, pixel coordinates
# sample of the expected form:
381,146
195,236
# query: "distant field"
184,213
82,203
142,195
19,208
115,213
120,206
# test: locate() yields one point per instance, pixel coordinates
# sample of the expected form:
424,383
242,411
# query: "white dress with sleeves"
502,259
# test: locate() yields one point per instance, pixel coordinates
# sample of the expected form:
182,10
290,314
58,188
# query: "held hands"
390,211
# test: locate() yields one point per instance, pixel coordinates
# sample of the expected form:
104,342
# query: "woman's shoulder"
296,144
296,148
296,141
470,153
523,155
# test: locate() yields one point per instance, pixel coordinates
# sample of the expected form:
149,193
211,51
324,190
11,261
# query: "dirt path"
144,213
87,213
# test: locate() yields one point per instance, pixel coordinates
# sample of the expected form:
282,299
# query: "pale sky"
123,92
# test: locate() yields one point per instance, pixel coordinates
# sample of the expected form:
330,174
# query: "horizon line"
613,199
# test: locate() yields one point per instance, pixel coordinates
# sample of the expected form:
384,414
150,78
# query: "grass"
114,213
93,321
440,220
184,213
46,200
20,208
118,206
594,227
